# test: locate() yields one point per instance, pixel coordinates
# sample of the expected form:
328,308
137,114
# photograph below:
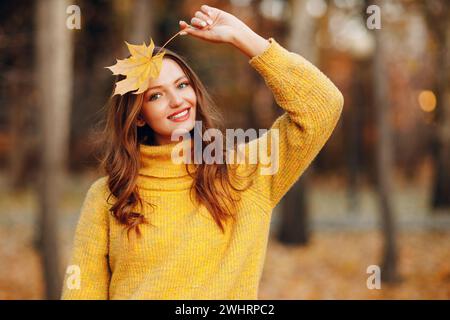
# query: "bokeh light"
427,100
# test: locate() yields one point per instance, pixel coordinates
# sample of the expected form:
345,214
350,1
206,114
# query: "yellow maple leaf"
138,69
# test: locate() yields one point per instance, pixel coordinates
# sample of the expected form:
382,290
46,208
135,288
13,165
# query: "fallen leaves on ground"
334,265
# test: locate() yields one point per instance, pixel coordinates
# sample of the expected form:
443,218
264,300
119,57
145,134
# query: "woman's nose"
175,99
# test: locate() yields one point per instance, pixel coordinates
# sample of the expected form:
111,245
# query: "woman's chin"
182,127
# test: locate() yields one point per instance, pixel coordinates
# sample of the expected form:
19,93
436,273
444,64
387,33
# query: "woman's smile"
181,115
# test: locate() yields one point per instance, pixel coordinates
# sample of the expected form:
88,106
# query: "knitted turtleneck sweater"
185,255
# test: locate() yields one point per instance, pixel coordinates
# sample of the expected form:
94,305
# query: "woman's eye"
152,96
186,83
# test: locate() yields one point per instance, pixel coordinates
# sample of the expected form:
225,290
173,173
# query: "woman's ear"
140,122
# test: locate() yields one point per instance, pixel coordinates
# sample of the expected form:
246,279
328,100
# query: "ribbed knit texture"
185,255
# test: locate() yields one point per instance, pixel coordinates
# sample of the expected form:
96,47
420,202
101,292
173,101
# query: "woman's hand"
215,25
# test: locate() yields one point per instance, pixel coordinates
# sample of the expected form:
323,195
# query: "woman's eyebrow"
184,76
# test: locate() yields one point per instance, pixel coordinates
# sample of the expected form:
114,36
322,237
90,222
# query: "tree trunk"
17,155
294,226
439,25
384,154
141,28
54,83
353,122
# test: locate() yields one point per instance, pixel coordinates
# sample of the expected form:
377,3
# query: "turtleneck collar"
159,172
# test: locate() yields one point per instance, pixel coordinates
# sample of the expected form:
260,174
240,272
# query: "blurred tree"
17,123
97,44
384,155
54,83
16,48
142,21
437,14
354,128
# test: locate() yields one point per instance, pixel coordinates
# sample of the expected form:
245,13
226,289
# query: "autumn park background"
377,194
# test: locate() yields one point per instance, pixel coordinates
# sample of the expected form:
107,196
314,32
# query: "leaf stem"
176,34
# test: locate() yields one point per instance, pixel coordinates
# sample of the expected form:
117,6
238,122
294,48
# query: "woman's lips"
181,116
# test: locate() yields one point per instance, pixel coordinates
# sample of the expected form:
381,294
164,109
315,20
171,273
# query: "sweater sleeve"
88,273
312,106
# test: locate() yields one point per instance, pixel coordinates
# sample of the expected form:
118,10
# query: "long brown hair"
213,184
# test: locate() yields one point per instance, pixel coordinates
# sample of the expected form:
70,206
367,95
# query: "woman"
154,228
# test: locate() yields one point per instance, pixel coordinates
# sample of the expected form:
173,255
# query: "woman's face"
166,101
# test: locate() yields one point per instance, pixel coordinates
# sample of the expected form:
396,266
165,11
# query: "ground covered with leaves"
334,266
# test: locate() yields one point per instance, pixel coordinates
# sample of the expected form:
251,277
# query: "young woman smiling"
155,229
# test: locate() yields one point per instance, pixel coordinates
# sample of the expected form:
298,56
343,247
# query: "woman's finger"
183,27
203,17
188,29
183,24
198,22
209,11
186,26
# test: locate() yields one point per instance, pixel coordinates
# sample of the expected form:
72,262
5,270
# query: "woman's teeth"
180,115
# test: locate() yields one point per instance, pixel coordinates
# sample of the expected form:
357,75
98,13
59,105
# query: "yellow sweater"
186,256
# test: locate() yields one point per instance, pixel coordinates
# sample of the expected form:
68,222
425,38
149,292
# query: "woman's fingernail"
183,33
203,23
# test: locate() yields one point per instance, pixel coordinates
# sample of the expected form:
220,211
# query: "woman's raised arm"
312,102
